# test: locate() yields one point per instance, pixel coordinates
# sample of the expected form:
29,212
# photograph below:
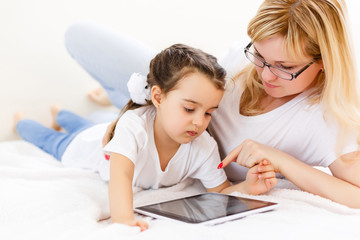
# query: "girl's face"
272,51
185,112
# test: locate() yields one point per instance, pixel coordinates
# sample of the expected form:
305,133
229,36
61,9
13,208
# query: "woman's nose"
267,75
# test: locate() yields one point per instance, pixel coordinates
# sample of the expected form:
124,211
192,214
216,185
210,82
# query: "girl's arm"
343,187
120,191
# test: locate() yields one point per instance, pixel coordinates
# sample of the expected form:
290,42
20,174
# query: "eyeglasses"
281,73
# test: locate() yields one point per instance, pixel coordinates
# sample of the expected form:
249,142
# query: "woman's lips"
270,85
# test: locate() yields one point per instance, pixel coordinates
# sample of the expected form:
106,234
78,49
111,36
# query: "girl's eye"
208,114
188,109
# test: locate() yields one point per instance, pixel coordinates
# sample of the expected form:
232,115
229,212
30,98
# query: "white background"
36,70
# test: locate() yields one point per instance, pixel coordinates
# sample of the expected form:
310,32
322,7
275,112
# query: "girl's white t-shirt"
134,138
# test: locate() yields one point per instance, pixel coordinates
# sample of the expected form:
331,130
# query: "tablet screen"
205,207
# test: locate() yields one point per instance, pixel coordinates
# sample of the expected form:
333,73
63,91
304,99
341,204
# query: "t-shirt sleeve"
209,158
129,137
320,145
339,144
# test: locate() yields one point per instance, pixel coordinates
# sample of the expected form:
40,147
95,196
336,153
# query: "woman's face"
271,50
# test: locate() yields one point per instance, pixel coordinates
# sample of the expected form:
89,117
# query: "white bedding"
39,199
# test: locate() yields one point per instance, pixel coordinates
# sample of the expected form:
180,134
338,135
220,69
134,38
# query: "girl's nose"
198,120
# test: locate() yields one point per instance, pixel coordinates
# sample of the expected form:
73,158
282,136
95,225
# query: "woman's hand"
251,153
108,134
260,178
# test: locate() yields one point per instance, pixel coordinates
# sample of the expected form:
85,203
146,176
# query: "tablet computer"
206,208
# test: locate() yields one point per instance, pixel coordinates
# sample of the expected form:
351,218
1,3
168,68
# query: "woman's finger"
249,155
231,157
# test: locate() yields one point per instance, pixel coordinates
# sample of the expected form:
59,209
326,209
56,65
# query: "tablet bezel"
178,218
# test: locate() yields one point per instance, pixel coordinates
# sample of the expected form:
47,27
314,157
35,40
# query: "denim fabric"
49,140
108,56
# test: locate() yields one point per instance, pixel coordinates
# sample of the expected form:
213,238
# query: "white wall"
36,71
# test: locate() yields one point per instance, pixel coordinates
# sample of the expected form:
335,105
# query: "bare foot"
17,117
99,96
55,109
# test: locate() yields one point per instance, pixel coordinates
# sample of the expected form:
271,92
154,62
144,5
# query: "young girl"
159,139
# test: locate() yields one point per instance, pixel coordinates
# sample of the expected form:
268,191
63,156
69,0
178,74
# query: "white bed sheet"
40,199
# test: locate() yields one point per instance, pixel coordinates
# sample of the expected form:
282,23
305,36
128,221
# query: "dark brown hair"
169,66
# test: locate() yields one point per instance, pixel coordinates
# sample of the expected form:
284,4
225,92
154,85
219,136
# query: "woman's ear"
321,65
156,95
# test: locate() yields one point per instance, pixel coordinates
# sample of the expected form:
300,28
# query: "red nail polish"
107,157
220,166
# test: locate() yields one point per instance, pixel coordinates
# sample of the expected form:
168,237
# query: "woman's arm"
317,182
347,167
120,191
342,187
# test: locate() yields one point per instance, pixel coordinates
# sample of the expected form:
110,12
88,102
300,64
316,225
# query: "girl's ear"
156,95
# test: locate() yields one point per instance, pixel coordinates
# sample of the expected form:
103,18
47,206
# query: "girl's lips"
192,133
270,85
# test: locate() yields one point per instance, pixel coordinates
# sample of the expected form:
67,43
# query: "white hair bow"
138,88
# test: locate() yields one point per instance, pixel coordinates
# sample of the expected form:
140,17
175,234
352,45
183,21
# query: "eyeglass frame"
293,75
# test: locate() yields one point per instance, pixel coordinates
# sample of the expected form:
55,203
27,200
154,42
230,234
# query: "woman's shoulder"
234,59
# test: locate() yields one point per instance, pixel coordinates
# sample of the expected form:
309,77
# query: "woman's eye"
259,56
189,109
208,114
286,67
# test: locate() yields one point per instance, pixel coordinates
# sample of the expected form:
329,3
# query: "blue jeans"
49,140
109,57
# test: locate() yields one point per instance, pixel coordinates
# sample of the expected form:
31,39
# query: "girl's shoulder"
204,142
142,115
132,133
137,123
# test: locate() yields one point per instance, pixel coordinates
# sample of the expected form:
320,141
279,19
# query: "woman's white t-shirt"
296,128
134,138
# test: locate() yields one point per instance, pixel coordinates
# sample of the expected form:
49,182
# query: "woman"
295,104
299,105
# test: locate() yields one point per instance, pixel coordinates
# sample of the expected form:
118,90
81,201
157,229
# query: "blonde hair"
315,28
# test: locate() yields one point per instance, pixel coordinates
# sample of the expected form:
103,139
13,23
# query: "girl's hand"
251,153
136,223
260,178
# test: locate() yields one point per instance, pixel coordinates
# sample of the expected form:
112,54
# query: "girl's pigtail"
139,90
